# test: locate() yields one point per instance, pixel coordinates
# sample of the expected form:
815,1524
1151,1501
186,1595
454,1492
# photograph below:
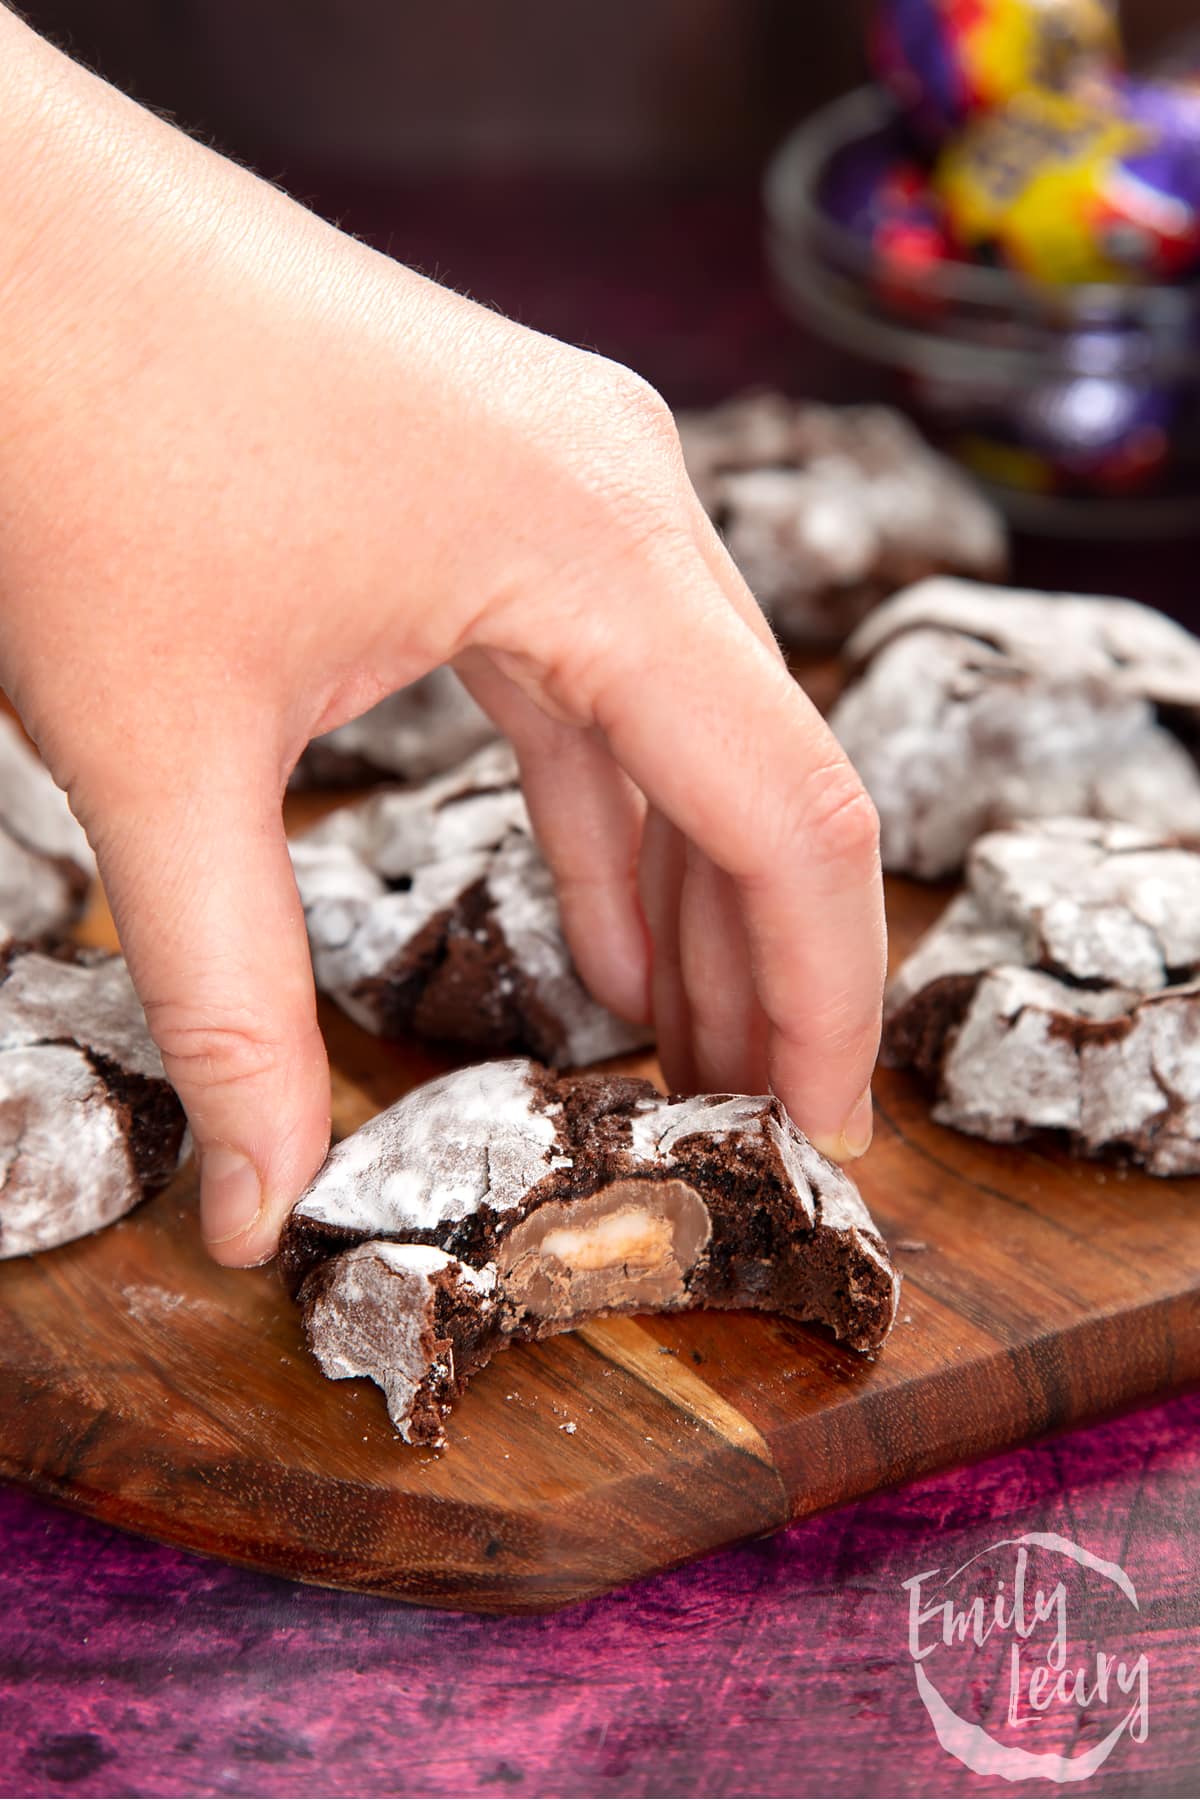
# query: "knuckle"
843,818
630,425
832,823
609,466
576,885
843,1025
649,417
848,1027
622,391
852,1042
207,1052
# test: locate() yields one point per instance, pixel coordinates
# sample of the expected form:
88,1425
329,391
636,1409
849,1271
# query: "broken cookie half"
1061,993
503,1203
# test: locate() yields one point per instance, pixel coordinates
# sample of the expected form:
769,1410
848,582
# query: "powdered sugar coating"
1110,903
441,841
659,1126
66,1166
1013,1068
1130,647
486,1136
1099,902
92,1003
826,1189
978,706
822,1191
414,734
424,1259
1115,1062
825,510
38,835
473,1138
373,1317
753,1216
526,910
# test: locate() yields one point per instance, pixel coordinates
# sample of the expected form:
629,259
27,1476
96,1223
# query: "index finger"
732,752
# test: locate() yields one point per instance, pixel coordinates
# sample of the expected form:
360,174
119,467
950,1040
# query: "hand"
254,476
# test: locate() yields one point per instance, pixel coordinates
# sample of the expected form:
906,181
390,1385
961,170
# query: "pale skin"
254,476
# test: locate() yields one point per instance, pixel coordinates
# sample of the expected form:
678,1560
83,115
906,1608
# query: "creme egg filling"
628,1246
632,1235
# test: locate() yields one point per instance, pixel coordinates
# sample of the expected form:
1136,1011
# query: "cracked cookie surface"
827,510
974,706
505,1202
1061,992
89,1124
432,910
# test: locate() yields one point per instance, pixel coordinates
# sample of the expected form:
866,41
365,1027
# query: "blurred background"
690,87
593,170
590,169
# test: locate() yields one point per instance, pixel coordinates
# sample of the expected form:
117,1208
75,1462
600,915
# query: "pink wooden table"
779,1668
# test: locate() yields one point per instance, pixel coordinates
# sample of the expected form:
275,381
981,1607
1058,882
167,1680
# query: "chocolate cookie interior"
632,1244
555,1199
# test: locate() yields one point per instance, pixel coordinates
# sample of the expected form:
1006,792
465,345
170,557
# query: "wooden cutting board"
141,1383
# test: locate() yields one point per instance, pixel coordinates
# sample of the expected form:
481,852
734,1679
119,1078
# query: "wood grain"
145,1385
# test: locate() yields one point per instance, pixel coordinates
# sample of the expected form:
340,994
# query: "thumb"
202,892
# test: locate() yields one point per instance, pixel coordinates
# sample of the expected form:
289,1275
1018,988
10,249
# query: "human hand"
253,477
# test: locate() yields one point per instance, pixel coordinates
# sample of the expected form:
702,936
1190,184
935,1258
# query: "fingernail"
230,1194
854,1139
859,1128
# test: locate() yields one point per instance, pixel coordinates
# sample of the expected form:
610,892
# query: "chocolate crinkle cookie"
46,866
504,1202
89,1124
1061,992
432,911
974,706
827,510
418,732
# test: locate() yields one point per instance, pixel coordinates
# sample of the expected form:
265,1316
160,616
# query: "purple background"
779,1668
